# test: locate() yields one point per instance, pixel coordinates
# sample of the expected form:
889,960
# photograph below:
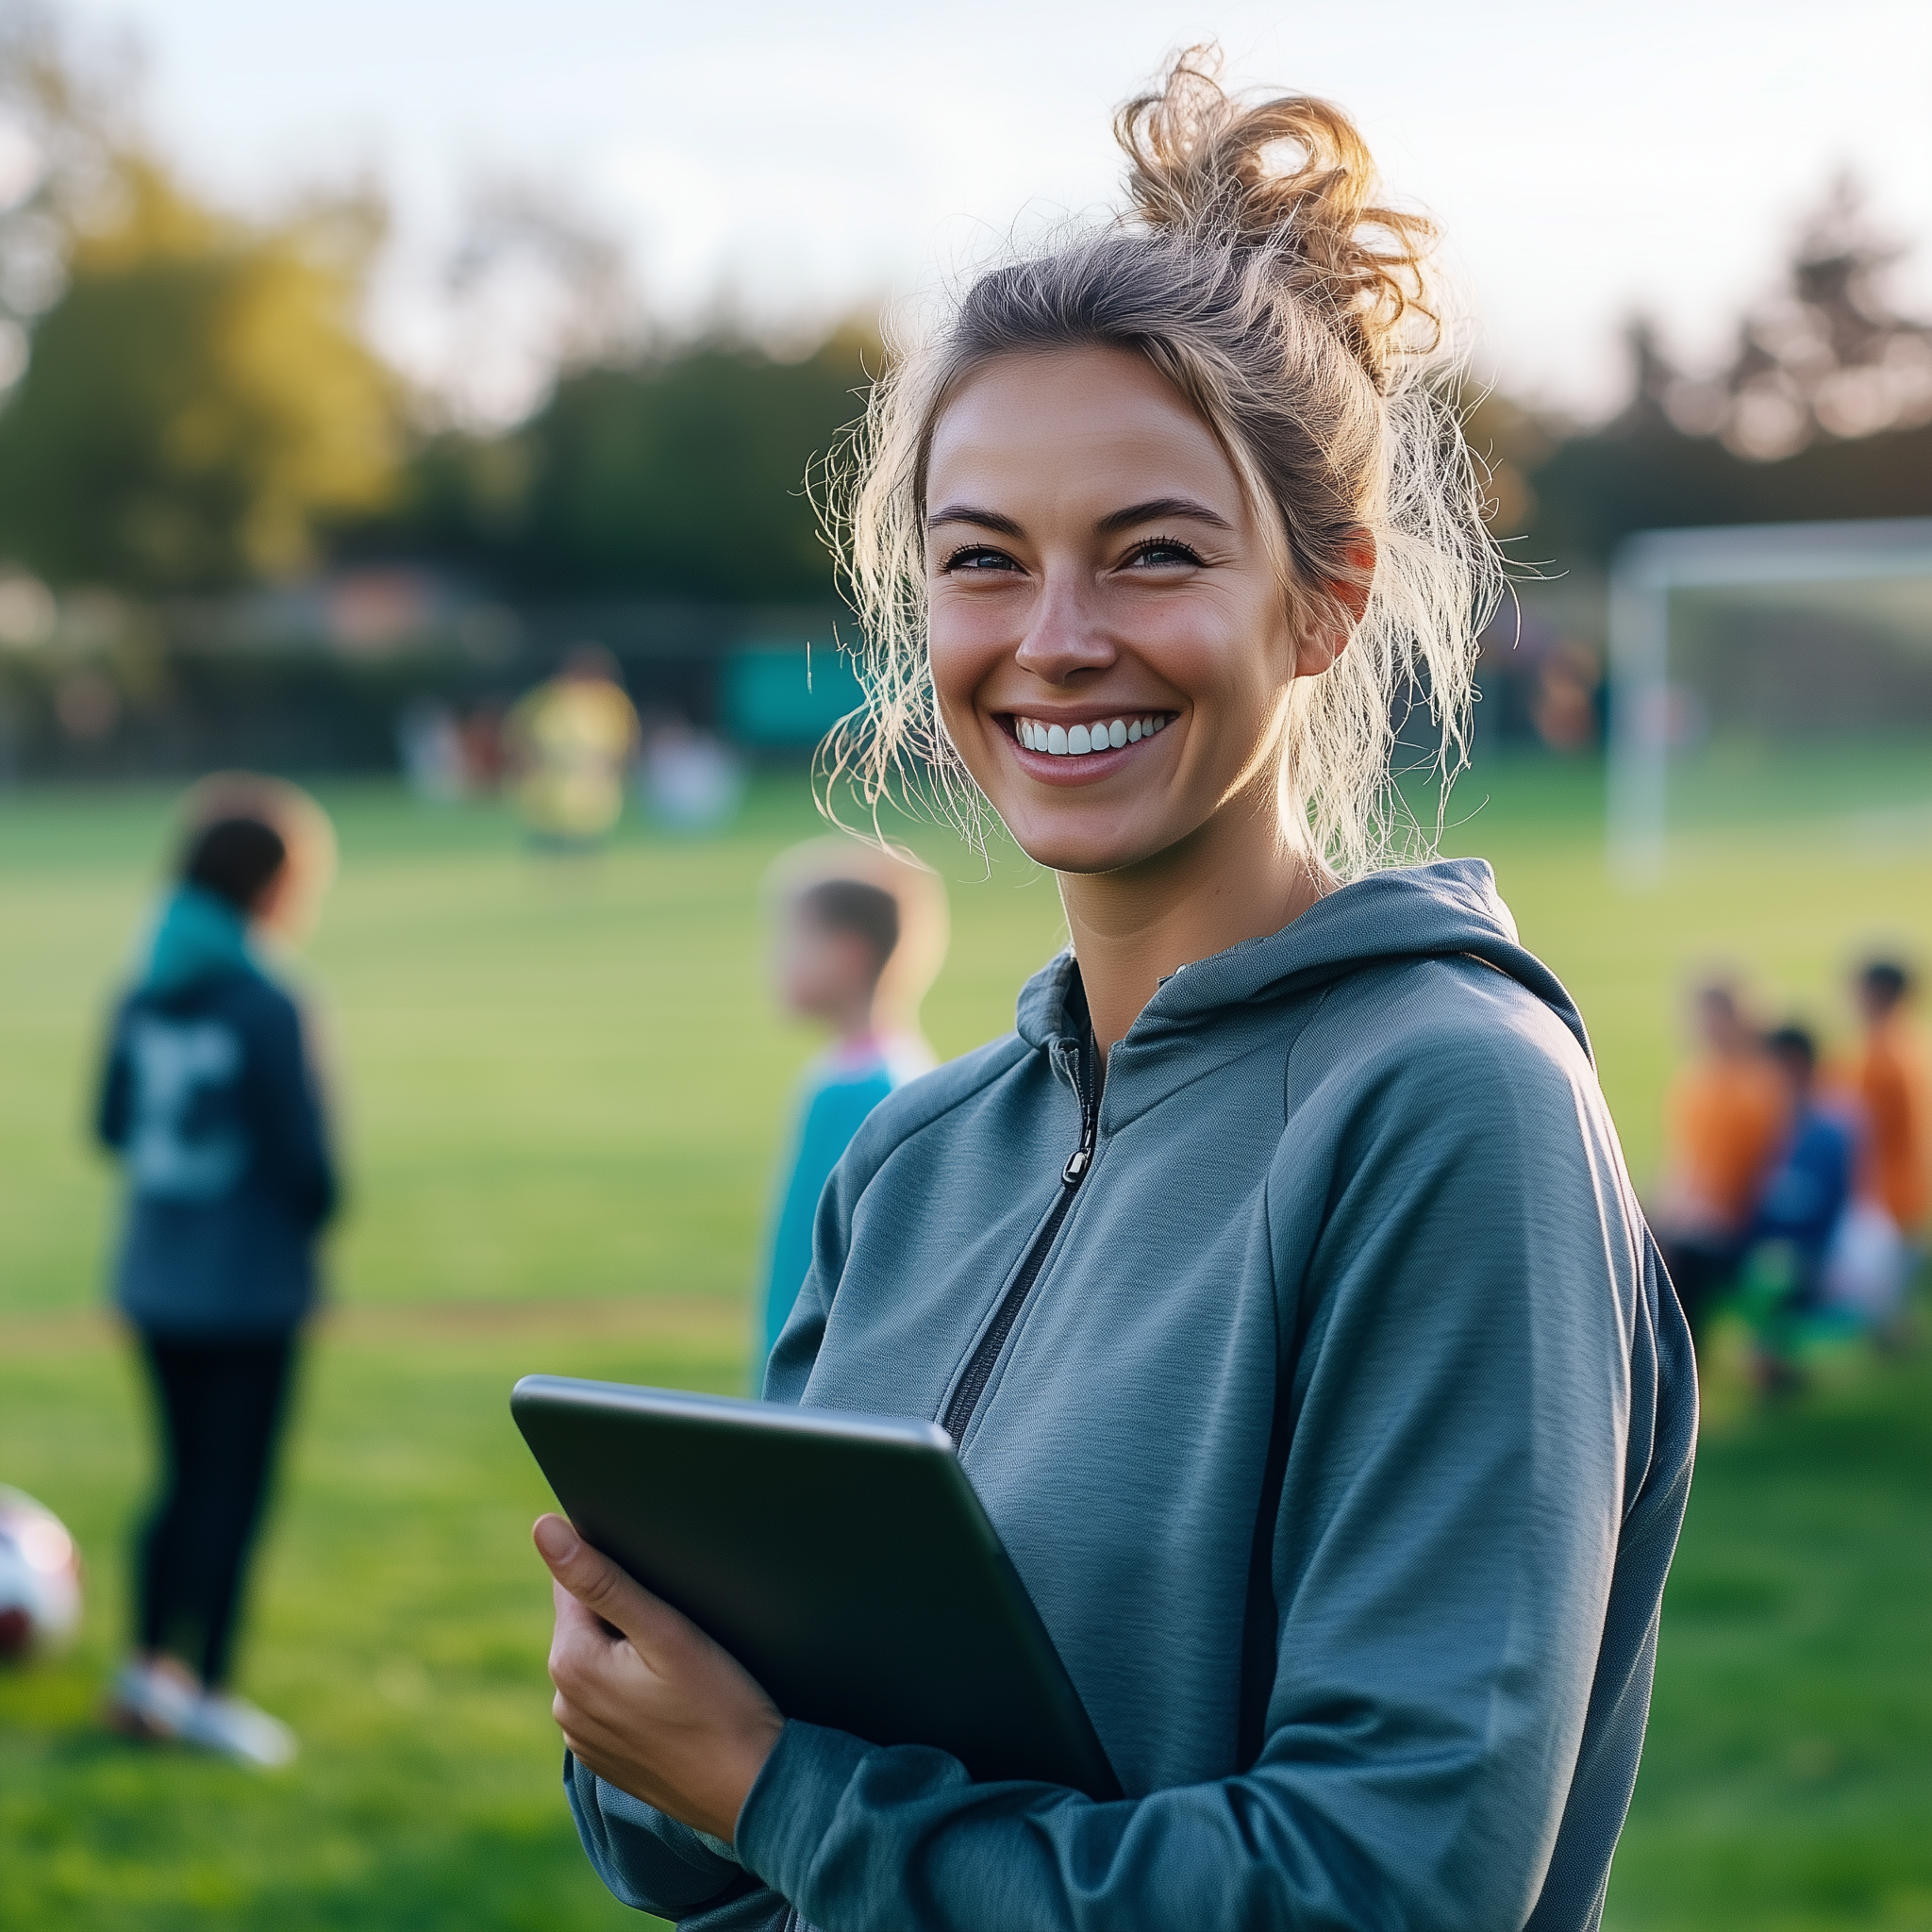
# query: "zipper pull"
1082,1156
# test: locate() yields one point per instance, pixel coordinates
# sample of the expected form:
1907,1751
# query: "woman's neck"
1232,881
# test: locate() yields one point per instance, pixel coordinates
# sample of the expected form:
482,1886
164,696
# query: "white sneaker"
146,1701
237,1730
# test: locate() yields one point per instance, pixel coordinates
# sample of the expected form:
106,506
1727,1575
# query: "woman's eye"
977,556
1163,553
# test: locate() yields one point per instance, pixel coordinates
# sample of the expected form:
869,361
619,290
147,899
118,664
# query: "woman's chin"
1084,849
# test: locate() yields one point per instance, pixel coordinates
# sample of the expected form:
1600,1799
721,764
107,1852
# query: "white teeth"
1061,741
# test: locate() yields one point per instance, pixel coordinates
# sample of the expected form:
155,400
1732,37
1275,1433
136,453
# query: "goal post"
1784,562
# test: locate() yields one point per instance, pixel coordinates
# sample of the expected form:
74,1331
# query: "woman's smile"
1069,748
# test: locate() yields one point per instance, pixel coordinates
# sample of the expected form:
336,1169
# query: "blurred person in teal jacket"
860,935
211,1103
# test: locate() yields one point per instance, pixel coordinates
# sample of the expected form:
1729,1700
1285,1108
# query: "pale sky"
811,158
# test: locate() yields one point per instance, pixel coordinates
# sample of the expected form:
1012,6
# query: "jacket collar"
1438,910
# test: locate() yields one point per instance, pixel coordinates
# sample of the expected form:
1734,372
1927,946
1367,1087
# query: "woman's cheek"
962,656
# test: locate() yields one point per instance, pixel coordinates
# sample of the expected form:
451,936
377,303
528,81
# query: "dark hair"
852,905
1886,980
1719,993
233,858
1794,1044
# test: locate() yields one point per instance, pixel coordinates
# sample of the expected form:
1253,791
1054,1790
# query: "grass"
401,1627
563,1088
1786,1786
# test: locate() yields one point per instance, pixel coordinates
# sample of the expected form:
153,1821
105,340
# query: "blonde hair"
1257,269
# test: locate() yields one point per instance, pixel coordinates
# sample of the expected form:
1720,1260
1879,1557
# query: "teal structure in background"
777,696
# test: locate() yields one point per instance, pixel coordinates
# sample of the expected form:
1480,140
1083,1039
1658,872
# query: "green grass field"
562,1086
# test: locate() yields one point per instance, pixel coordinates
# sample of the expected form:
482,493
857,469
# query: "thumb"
593,1578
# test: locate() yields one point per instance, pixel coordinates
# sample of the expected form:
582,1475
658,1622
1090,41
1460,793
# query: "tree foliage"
681,473
199,400
1822,412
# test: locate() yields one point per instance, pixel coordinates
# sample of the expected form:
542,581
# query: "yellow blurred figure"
571,742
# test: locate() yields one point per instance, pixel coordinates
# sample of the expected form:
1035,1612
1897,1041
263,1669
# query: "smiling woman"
1278,1280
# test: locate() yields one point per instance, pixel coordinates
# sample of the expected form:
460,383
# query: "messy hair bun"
1204,171
1258,268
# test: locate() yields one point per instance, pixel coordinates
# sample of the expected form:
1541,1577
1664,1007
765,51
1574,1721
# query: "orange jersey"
1724,1118
1889,1079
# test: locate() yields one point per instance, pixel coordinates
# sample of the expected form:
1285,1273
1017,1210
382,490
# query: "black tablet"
843,1561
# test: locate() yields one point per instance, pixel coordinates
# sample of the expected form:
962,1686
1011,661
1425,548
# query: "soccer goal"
1778,635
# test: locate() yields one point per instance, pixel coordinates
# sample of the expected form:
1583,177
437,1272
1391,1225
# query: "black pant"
220,1406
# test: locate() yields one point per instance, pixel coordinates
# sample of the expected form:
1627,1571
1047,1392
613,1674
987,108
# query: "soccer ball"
39,1579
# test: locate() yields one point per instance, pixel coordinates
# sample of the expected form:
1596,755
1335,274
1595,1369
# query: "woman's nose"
1065,635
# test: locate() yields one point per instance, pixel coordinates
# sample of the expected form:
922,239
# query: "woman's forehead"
1073,422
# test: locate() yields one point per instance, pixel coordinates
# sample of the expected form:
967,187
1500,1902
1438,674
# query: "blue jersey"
1809,1186
209,1102
838,1090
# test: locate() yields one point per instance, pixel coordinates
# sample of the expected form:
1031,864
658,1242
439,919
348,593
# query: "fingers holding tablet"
643,1697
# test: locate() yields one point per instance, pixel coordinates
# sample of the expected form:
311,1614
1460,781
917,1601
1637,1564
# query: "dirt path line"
706,1319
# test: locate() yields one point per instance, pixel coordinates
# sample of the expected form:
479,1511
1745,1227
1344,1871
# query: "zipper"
971,1386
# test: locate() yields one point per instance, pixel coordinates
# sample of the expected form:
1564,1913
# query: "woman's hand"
655,1708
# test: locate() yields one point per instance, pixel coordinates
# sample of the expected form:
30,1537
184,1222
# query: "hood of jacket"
1445,908
197,936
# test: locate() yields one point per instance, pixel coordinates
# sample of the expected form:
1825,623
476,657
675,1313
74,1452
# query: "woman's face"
1096,575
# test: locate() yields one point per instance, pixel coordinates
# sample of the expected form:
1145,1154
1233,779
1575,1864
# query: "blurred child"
1807,1192
1725,1113
569,743
210,1103
1870,1263
1889,1075
861,937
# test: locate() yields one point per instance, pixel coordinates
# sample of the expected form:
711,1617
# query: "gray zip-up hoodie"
1343,1440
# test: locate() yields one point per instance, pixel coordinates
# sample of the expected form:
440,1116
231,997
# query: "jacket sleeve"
650,1862
1454,1408
286,1109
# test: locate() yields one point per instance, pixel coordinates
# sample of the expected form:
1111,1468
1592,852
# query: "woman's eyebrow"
1158,510
966,513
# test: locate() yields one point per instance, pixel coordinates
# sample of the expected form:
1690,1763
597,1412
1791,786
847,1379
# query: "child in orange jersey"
1889,1075
1728,1113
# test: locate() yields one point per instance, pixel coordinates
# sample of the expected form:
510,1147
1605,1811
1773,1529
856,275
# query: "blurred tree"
197,398
681,473
1822,412
535,286
1832,356
1510,442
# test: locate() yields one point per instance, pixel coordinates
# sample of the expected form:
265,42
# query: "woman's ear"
1327,636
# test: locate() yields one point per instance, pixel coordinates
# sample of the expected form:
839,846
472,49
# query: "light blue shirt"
838,1090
